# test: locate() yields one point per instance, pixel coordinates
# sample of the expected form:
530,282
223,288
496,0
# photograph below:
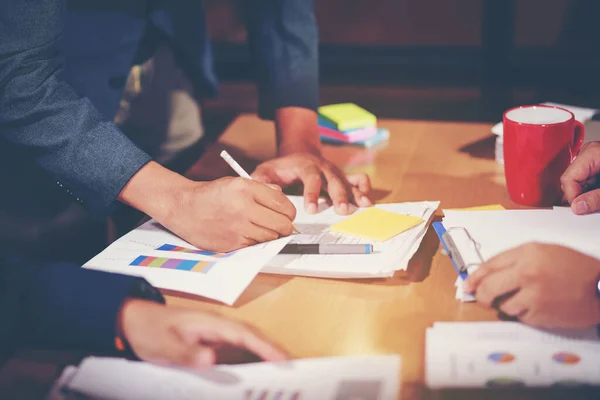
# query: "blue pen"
441,231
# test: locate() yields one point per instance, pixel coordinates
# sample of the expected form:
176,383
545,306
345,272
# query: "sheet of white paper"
224,280
498,231
389,256
581,114
515,332
336,378
59,389
508,354
460,295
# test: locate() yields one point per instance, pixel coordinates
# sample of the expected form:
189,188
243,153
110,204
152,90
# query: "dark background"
432,59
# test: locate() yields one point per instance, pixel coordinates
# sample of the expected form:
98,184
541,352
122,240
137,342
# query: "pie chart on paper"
566,358
501,358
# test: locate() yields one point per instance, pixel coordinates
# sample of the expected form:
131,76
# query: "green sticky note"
347,116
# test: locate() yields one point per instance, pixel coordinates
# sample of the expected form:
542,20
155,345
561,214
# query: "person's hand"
581,181
316,173
222,215
230,213
546,286
191,339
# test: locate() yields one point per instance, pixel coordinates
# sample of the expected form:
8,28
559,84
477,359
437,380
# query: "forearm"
283,40
154,190
297,131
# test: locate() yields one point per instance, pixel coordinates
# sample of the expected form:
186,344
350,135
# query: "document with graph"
374,377
510,355
168,262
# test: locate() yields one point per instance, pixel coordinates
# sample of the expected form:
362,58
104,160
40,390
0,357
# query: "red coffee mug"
539,144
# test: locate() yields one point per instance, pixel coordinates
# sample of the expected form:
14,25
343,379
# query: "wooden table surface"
450,162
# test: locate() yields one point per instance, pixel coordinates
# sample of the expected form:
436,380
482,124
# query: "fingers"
262,234
360,185
175,351
274,200
517,305
584,167
504,260
265,175
337,189
312,181
201,358
586,203
497,284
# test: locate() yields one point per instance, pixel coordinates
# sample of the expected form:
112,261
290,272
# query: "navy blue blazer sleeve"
62,133
61,306
283,40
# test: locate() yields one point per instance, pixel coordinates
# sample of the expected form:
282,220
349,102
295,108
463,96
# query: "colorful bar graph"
172,247
173,263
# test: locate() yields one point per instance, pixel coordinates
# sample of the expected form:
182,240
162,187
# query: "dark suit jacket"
45,124
60,306
103,38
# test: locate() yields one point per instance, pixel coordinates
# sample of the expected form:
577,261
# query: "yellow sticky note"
491,207
376,224
347,116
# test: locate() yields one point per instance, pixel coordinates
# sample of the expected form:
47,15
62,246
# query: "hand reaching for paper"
192,339
316,173
547,286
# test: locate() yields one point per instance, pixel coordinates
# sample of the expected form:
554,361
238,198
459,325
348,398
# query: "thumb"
196,357
172,350
587,203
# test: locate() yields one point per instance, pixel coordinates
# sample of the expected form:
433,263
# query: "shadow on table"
483,148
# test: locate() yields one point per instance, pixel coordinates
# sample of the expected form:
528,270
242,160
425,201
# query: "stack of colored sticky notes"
348,123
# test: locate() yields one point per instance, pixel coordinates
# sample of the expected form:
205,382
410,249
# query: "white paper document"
498,231
388,257
169,262
494,232
509,355
336,378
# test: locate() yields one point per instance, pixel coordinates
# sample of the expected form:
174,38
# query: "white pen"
241,172
234,164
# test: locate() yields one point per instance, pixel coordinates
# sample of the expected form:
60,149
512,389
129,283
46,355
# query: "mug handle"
578,137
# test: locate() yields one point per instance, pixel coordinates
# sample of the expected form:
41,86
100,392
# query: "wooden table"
451,162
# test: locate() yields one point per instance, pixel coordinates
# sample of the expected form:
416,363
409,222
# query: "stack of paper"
509,354
395,239
581,114
339,378
494,232
169,262
348,123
